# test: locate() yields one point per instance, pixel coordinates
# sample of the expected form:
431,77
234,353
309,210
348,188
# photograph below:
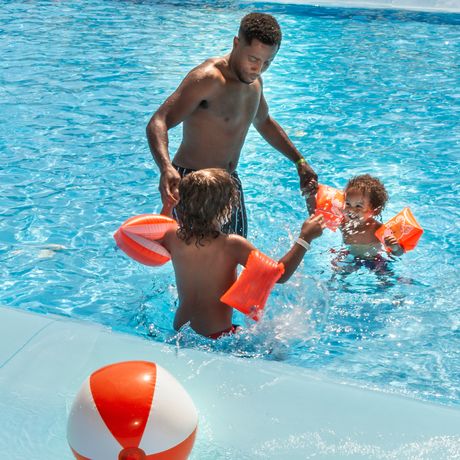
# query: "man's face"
252,60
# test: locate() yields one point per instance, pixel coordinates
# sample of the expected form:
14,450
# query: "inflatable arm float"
329,204
250,291
404,228
138,238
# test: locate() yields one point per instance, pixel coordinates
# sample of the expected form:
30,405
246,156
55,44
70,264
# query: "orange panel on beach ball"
329,204
404,228
132,410
138,238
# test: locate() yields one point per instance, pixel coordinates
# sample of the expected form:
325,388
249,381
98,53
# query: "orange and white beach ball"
132,410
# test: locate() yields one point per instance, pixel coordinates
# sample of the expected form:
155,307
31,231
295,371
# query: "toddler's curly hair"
372,188
206,200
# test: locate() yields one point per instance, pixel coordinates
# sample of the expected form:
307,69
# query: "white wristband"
303,243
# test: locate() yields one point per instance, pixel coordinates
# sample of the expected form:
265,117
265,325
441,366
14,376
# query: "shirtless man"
217,102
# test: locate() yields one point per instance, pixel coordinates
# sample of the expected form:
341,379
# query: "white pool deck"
247,409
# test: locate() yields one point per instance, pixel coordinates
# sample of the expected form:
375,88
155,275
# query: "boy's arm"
241,248
169,239
312,228
395,248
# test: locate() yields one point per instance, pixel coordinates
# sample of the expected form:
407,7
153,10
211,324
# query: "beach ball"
132,410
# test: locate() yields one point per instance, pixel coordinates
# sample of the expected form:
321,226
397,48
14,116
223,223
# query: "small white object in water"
54,247
45,254
48,250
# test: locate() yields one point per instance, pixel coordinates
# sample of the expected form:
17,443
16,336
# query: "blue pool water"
358,91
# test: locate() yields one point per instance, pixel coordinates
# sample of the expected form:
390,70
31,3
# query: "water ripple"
357,91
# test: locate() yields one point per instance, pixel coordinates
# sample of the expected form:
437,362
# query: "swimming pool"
357,90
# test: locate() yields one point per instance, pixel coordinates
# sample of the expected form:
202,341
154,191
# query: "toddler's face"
357,206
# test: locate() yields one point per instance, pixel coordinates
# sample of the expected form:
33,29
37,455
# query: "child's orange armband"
329,204
250,291
404,228
138,236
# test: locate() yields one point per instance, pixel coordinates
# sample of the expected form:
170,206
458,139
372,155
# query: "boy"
205,259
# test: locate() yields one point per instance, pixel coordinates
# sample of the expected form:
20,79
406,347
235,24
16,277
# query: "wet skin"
217,102
360,225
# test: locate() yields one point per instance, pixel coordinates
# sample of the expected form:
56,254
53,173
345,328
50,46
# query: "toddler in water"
205,259
365,198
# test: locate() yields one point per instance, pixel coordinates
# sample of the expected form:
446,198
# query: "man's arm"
274,134
177,107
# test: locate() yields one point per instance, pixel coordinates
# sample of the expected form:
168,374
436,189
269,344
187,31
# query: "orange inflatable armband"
404,228
250,291
138,236
329,204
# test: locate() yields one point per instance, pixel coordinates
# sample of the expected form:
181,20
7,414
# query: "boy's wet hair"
263,27
206,200
372,188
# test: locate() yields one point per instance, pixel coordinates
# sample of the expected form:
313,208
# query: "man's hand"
308,178
169,187
308,185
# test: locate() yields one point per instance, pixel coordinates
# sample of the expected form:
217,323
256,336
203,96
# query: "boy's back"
203,274
205,260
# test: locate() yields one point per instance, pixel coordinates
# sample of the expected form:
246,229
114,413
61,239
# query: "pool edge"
285,403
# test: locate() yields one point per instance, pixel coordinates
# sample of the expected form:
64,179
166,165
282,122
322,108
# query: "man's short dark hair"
263,27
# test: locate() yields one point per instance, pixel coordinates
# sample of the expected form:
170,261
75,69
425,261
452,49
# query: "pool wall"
247,409
418,5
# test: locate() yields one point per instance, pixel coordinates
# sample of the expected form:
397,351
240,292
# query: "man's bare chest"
232,107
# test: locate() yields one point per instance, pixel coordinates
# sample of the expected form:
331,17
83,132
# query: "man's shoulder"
209,71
